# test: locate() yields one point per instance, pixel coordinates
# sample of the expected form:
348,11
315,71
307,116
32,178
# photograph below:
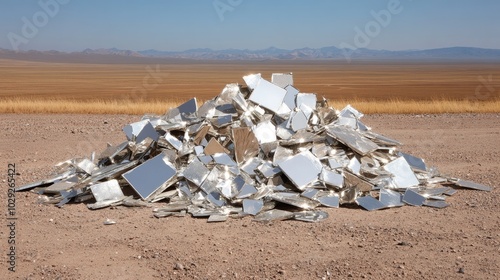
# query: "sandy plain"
135,88
458,242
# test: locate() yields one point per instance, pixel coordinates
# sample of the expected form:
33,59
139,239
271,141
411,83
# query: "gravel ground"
458,242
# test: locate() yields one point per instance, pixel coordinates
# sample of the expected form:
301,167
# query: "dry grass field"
372,87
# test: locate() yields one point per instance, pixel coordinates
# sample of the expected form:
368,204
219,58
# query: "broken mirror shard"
391,198
246,144
369,203
310,216
252,206
264,150
471,185
274,215
151,177
403,175
109,190
302,169
411,197
139,131
268,95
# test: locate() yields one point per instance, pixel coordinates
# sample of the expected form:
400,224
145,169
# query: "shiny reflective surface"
264,150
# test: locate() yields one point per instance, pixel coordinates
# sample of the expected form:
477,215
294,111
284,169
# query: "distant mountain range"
326,53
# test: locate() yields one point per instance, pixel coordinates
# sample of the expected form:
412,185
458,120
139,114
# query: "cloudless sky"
245,24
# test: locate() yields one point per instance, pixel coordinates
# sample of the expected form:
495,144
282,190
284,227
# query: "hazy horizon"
69,26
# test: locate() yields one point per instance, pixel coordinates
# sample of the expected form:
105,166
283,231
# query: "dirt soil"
458,242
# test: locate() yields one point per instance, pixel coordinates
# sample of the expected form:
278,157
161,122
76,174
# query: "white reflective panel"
415,162
403,175
291,94
307,99
151,176
354,165
352,139
302,169
281,79
298,121
332,178
139,131
176,143
252,80
196,172
328,199
268,95
472,185
252,206
109,190
274,215
411,197
223,159
391,198
310,216
265,132
369,203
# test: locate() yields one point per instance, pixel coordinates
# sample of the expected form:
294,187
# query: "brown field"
373,87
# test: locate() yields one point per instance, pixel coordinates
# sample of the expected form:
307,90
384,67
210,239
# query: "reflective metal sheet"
151,176
282,79
251,165
216,218
176,143
369,203
223,159
140,130
411,197
302,169
298,121
252,206
245,142
252,80
391,198
108,190
213,147
471,185
291,94
183,111
332,178
328,199
415,162
331,156
403,175
265,132
268,95
352,139
436,203
274,215
268,170
307,99
310,216
246,191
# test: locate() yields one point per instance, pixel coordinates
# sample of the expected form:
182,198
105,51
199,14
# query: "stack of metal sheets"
265,150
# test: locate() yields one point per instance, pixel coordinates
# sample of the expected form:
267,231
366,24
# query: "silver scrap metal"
263,150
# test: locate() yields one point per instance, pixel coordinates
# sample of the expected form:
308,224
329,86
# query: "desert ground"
458,242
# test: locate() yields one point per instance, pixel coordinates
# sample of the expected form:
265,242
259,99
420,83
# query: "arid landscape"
134,88
52,112
458,242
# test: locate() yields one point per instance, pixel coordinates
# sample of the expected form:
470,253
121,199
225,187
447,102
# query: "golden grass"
131,107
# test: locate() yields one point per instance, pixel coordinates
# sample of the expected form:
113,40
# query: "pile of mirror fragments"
264,150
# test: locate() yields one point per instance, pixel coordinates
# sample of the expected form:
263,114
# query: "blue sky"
245,24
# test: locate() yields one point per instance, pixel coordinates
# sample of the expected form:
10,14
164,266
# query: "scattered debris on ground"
265,150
